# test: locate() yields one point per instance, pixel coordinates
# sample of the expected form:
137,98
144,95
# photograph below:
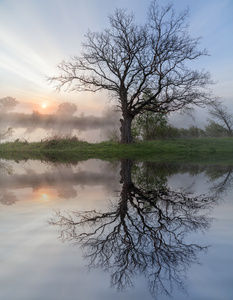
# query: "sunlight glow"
44,197
36,36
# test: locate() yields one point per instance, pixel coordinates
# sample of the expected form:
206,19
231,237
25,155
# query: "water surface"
121,230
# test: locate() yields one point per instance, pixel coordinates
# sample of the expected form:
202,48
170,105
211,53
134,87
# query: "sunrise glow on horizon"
35,36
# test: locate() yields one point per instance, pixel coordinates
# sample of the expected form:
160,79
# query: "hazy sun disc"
44,105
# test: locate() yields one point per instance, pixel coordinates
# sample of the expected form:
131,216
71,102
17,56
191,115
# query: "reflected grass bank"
200,150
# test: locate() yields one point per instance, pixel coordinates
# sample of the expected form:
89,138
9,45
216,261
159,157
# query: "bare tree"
222,114
6,133
6,104
131,61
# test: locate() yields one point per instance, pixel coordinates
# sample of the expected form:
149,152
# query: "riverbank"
203,150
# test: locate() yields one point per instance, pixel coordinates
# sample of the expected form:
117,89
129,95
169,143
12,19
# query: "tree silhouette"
66,109
224,117
143,233
7,104
8,197
142,67
222,178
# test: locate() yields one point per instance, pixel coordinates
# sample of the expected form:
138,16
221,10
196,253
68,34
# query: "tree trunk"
126,134
126,165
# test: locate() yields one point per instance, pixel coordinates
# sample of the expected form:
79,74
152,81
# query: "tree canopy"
142,66
223,116
66,109
7,104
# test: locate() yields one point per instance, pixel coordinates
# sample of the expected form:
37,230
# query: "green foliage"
149,126
113,135
191,132
152,126
214,129
207,150
222,114
57,142
147,176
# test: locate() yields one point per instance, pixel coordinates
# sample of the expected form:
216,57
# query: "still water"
120,230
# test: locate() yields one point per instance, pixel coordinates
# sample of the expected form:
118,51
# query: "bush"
54,141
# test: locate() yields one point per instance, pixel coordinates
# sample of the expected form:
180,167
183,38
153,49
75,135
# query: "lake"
115,230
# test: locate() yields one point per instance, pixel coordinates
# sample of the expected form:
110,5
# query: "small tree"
213,129
149,126
7,104
6,134
129,60
66,109
224,118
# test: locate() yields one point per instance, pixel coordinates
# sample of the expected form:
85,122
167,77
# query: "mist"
64,179
66,122
63,123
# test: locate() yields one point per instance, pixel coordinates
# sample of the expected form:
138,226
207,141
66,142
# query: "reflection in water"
143,232
59,178
6,167
7,197
148,229
222,178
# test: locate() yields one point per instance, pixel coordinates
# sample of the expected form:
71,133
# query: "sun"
44,105
44,196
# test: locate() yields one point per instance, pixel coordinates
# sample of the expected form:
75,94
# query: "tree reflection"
6,167
64,180
143,233
222,178
8,197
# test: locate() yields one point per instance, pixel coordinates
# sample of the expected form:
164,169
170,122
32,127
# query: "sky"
35,35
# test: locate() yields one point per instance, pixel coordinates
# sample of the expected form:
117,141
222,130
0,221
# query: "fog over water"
67,121
37,126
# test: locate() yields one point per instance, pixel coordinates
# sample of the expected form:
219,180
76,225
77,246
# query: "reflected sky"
36,265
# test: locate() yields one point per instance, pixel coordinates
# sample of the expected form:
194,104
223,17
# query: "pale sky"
35,35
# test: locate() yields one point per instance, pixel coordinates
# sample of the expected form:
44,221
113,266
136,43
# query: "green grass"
200,150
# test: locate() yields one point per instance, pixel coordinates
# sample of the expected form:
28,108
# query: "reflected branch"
223,179
7,197
142,233
6,167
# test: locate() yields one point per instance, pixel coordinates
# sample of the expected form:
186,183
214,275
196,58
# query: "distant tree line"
61,123
149,126
146,126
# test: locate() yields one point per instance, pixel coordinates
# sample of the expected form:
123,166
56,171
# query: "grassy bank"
208,150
